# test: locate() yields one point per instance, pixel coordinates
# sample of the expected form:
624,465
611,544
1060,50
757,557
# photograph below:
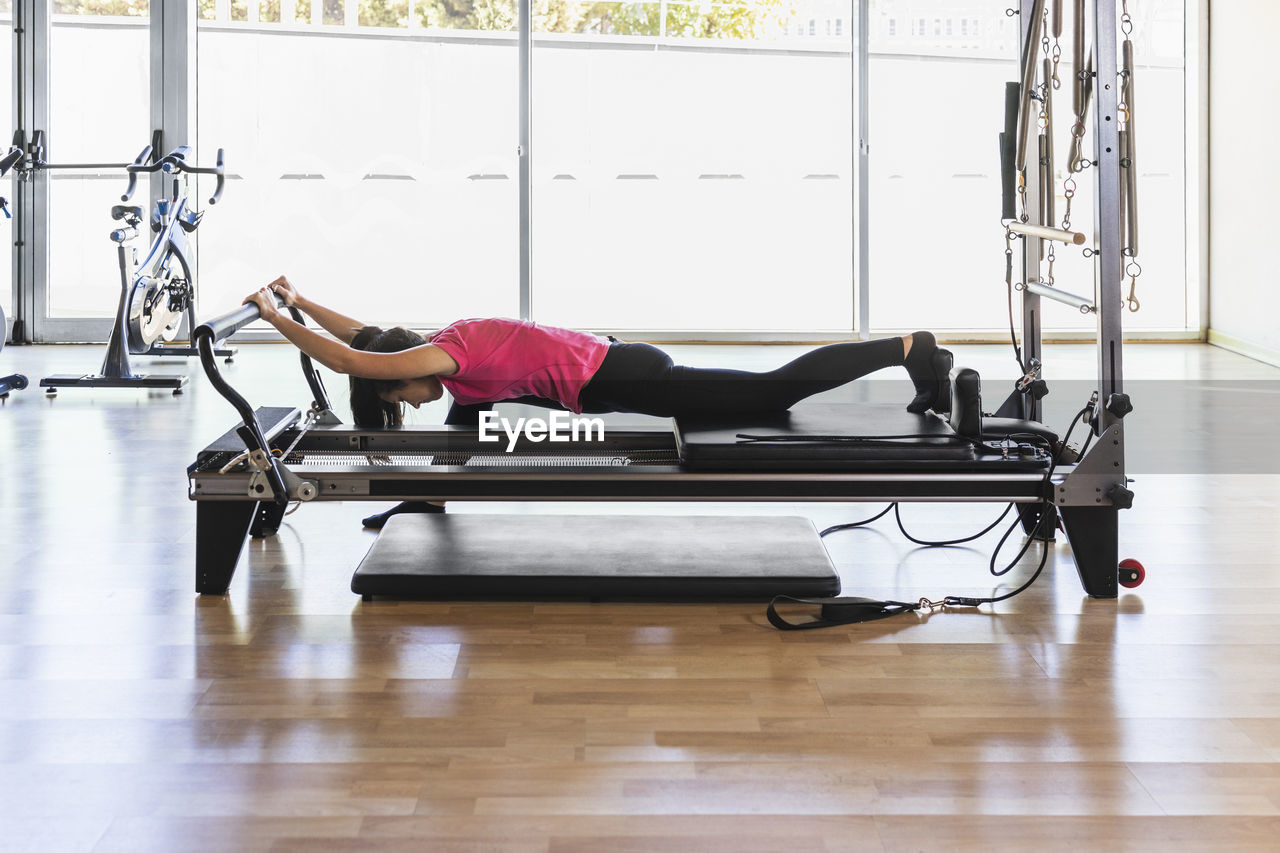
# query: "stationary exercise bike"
14,381
157,292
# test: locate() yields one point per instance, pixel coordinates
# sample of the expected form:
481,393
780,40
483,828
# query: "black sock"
376,521
923,372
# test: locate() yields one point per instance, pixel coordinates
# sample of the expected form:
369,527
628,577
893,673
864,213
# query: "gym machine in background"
157,292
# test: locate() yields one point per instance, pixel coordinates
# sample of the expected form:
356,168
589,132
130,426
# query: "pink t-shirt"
501,359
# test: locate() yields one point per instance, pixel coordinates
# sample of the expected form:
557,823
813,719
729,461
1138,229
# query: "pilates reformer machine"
244,481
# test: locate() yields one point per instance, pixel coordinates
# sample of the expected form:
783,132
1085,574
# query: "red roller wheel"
1132,573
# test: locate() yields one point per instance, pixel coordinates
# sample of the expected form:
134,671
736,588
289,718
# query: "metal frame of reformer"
1102,471
1087,494
231,504
1107,303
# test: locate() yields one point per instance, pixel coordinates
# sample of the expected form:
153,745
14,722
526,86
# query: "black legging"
642,379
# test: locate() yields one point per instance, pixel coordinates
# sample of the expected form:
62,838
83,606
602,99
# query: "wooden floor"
290,716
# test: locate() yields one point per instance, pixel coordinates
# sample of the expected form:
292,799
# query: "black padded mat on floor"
668,558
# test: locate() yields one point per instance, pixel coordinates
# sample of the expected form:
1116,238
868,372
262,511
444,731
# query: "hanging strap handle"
838,611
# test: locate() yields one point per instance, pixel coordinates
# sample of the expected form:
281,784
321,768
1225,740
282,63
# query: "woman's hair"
368,409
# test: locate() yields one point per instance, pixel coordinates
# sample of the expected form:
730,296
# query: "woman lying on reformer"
481,362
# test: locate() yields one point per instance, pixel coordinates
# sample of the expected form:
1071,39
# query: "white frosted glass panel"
700,188
98,113
383,180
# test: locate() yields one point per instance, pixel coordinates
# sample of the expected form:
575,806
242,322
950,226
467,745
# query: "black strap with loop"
838,611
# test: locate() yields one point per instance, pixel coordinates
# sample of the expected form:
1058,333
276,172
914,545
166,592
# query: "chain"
1008,257
1051,257
1126,20
1068,192
1022,196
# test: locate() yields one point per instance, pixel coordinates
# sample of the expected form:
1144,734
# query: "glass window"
921,172
664,197
374,158
99,112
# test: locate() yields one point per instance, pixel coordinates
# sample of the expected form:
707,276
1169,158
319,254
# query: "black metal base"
93,380
13,382
1094,536
266,519
1037,523
185,351
221,530
669,558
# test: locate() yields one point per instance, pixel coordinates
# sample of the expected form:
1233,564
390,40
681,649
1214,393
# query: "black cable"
844,611
1047,506
943,543
853,524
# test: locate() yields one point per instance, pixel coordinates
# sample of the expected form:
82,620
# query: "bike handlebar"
6,163
139,164
175,162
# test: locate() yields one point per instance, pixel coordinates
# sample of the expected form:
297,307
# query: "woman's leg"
642,378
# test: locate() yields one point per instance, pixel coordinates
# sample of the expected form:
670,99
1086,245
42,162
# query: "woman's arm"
425,360
341,327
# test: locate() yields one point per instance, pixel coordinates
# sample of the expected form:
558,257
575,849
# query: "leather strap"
838,611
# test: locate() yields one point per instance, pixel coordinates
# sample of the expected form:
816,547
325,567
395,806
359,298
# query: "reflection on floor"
291,716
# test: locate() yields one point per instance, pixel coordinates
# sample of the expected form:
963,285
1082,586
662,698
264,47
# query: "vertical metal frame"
861,321
1196,118
1109,263
173,94
525,154
31,189
1032,247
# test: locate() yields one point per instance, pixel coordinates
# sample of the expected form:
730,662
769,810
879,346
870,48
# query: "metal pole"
1032,247
862,191
1109,262
524,153
31,202
173,94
